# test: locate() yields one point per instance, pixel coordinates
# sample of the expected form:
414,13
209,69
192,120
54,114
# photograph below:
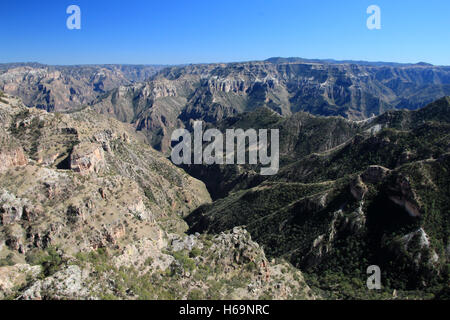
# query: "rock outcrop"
15,276
333,210
12,209
176,271
58,88
67,284
214,92
94,208
403,194
103,188
87,158
12,158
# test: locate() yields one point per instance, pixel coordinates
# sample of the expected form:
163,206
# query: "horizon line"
300,59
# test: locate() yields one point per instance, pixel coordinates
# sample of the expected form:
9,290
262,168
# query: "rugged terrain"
175,96
349,195
89,211
61,88
156,100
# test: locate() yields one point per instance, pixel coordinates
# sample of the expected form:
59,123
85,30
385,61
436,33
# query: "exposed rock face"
69,283
92,186
199,264
422,241
11,208
405,196
348,190
354,195
358,189
45,203
214,92
11,153
12,158
87,158
237,247
187,243
63,88
372,175
14,276
137,254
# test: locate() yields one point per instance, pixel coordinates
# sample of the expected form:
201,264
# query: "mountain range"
62,88
156,100
87,192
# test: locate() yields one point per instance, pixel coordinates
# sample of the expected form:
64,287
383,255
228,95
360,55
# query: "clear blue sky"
194,31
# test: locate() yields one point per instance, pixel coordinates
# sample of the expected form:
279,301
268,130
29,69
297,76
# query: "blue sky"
197,31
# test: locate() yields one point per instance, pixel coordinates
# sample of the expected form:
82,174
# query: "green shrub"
149,194
149,261
195,294
195,252
8,261
49,259
184,260
35,257
251,266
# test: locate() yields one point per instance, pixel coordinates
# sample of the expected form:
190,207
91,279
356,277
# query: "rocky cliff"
156,100
378,195
89,211
176,96
59,88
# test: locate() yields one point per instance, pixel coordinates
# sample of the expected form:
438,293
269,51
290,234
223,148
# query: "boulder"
12,158
87,158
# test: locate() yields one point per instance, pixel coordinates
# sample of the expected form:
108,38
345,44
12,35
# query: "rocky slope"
301,134
229,265
371,193
83,195
89,211
59,88
176,96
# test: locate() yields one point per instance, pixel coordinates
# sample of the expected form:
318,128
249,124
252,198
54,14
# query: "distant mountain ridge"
64,88
177,95
134,72
157,99
358,62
